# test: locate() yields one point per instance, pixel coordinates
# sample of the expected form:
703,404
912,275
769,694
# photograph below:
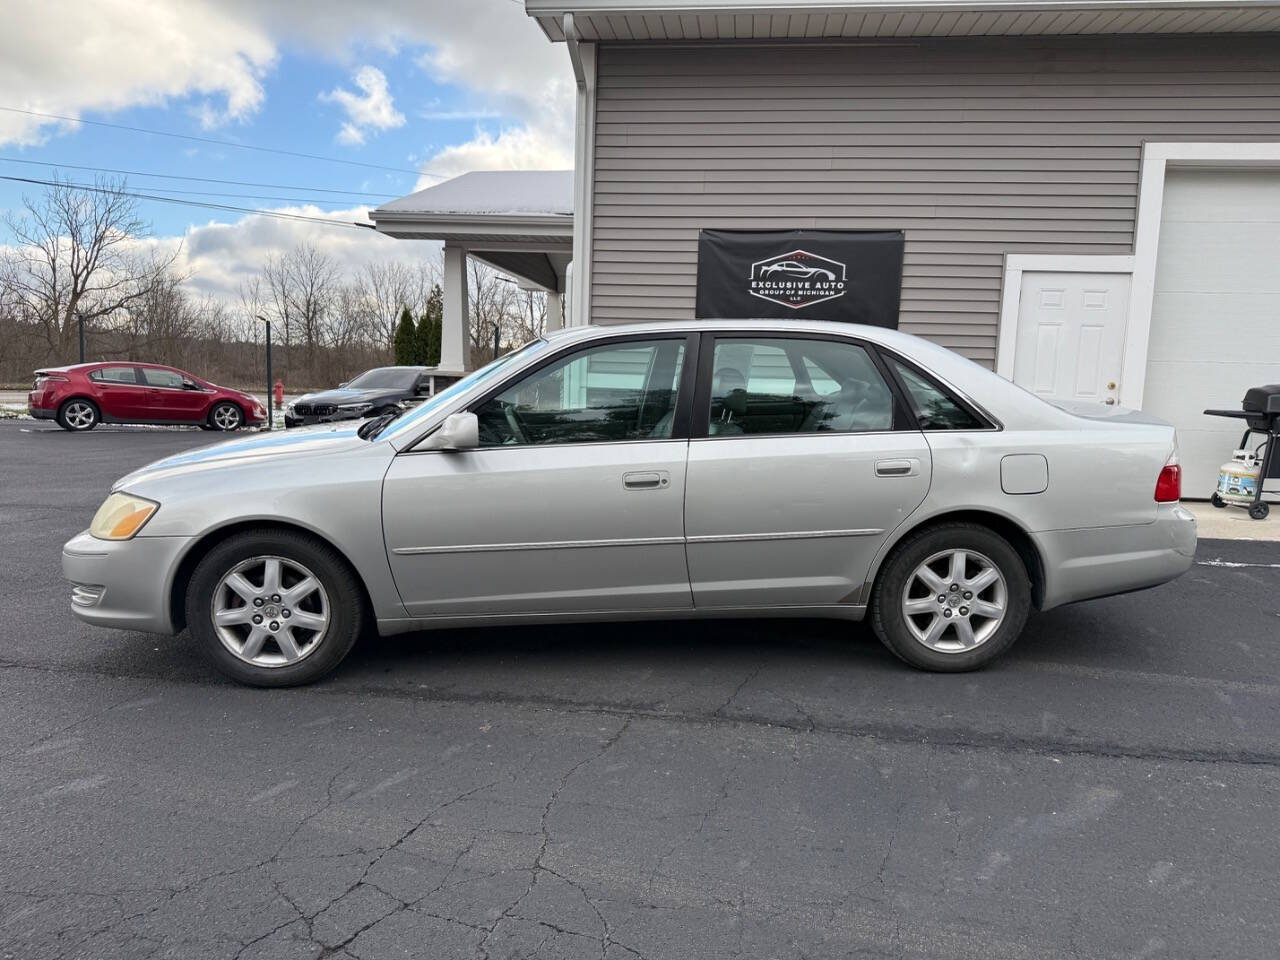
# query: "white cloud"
221,256
371,109
520,148
110,54
106,55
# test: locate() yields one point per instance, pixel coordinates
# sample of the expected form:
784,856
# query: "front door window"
610,393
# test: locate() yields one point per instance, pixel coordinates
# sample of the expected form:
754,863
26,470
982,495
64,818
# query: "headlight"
355,407
121,516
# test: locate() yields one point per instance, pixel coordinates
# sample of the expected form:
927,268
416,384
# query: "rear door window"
776,385
115,375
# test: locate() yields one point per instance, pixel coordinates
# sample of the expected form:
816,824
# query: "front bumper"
1102,561
293,420
125,584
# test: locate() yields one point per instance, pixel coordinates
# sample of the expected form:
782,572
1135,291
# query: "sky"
426,88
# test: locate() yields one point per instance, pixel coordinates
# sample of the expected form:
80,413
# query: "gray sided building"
1090,192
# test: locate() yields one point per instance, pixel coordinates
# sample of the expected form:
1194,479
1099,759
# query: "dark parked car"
373,393
83,395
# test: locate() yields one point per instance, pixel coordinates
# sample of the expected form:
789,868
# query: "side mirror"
343,384
460,431
190,385
422,390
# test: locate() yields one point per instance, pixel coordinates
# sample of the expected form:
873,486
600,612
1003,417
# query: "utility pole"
270,415
80,318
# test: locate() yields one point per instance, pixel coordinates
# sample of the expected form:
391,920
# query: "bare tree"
299,288
79,256
387,289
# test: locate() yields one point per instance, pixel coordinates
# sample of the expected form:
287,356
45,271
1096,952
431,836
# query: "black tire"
225,417
890,622
1217,501
72,415
1259,510
345,599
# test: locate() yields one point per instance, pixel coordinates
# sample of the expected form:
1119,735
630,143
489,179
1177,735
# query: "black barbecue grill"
1260,410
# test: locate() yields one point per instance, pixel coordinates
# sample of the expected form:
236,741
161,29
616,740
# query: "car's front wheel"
951,598
274,608
226,417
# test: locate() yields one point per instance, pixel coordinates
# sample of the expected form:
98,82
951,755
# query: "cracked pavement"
769,789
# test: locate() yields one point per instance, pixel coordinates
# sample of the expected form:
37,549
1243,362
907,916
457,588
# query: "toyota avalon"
680,470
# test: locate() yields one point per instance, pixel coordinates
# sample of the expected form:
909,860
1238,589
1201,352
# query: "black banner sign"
854,276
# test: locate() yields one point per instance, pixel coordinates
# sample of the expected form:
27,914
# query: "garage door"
1215,320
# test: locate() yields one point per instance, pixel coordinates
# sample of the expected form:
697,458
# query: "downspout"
583,58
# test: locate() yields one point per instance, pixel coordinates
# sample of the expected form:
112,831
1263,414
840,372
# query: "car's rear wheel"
274,608
951,598
226,417
78,415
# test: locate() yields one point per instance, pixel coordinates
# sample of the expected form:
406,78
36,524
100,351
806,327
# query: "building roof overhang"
718,20
531,208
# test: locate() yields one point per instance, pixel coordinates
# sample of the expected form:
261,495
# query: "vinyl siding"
976,148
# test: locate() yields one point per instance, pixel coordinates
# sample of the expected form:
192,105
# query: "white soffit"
667,20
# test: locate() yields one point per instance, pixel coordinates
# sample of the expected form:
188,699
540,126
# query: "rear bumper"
1101,561
41,413
123,584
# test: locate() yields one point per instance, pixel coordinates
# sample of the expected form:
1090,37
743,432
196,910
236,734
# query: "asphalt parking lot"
741,789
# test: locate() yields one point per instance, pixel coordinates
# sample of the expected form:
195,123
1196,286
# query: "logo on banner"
797,279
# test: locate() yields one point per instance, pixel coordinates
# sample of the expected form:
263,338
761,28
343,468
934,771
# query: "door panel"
539,529
574,500
1071,330
169,400
120,394
799,475
797,519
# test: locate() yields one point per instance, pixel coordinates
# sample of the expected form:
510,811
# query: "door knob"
1110,401
1111,384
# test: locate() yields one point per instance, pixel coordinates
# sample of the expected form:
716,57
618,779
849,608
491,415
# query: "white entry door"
1071,330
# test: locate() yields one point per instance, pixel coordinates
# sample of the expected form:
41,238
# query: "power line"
221,143
175,176
277,214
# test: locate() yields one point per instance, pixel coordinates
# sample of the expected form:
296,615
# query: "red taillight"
1169,483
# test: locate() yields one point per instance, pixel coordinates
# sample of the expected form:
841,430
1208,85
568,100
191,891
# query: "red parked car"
83,395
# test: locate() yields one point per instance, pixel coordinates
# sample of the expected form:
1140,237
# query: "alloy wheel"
79,415
270,611
955,600
226,417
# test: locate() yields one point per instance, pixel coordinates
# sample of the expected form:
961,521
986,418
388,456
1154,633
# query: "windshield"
422,411
385,378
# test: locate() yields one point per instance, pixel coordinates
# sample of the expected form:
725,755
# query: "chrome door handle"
896,468
645,480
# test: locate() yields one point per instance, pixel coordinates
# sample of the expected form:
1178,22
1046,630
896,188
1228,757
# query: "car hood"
281,445
348,395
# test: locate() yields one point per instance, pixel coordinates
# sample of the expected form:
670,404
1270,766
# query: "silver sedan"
709,469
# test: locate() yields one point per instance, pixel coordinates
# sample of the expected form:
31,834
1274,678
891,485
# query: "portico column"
555,310
455,337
